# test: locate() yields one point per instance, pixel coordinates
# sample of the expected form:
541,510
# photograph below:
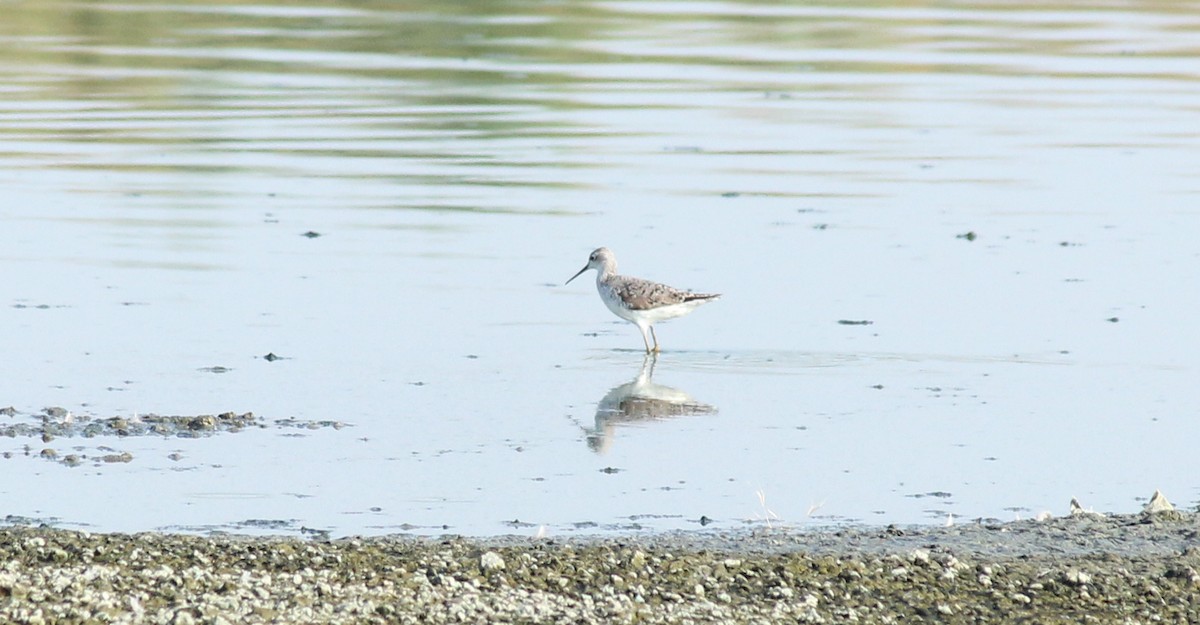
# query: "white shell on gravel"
491,561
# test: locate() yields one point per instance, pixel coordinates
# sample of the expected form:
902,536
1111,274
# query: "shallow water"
818,165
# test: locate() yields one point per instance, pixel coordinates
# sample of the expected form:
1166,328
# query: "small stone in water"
1158,503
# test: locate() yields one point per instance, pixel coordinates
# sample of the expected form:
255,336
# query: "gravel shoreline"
1083,568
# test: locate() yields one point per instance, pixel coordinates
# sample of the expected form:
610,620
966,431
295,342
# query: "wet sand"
1084,568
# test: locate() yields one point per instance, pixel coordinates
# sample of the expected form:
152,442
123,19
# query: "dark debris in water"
17,519
275,524
316,533
937,493
38,306
61,425
309,425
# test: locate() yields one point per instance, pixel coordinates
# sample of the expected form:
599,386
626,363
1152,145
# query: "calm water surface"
1007,191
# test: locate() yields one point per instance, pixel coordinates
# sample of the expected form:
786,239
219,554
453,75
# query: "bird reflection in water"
639,401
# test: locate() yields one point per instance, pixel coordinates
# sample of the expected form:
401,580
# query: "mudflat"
1078,569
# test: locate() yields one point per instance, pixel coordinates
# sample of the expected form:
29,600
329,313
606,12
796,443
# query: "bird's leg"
645,338
656,349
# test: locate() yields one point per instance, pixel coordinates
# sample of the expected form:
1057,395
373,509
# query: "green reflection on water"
507,94
226,88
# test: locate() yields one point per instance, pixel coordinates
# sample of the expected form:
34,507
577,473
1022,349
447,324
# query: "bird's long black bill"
576,275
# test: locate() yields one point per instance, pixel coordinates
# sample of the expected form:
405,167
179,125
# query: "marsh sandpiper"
640,302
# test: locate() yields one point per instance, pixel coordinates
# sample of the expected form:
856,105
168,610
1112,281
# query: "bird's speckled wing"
638,294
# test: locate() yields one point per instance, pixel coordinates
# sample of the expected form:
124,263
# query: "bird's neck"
604,273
